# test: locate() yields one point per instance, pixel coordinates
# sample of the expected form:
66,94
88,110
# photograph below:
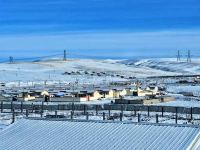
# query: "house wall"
65,99
123,92
159,100
115,94
145,102
29,98
110,94
97,95
44,93
124,101
129,92
83,99
61,99
154,91
142,93
145,92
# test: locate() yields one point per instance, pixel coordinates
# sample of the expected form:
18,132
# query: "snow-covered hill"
53,70
167,65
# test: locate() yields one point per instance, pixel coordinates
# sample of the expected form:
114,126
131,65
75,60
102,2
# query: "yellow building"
29,98
115,93
140,92
94,95
126,92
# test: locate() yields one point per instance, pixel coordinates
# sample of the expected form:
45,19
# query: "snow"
52,70
181,104
168,65
184,88
5,120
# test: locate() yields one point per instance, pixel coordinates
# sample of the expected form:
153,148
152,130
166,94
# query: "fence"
40,107
88,107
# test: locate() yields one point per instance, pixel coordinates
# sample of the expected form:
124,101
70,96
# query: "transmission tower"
189,56
11,60
178,56
65,56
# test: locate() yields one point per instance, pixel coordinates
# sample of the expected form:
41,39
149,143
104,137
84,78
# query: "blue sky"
100,27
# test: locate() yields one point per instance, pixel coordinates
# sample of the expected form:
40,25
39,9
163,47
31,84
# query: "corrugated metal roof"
41,134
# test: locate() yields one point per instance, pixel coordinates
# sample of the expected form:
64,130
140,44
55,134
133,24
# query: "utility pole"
178,56
65,56
73,97
189,57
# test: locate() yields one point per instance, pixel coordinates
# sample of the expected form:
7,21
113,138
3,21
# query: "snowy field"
184,88
53,70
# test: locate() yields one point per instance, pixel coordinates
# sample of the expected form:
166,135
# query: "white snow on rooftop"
42,134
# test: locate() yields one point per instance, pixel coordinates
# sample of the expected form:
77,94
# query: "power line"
61,56
36,58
